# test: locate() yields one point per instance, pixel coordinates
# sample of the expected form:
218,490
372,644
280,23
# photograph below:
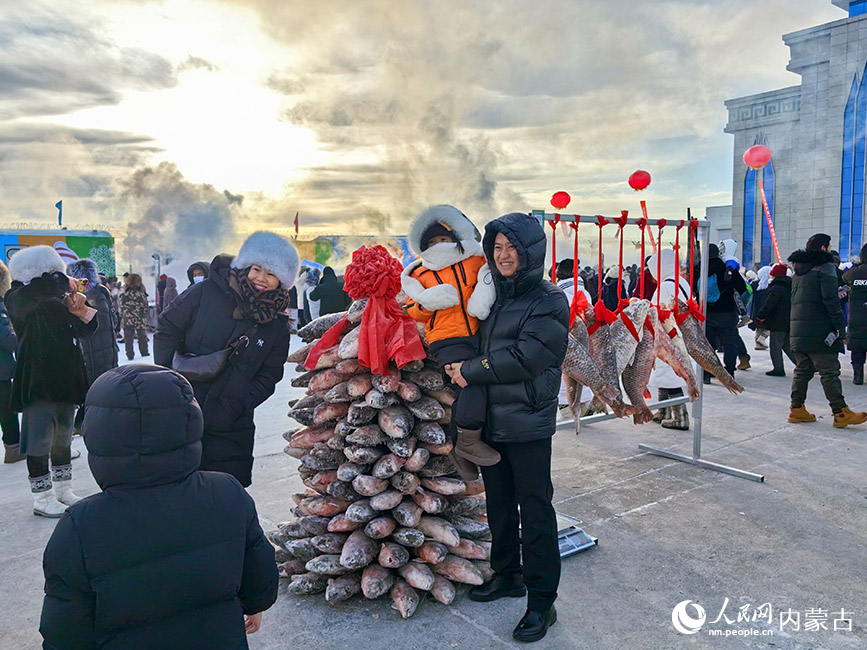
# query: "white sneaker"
45,505
63,491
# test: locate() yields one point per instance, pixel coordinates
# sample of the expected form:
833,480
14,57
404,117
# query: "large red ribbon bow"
386,333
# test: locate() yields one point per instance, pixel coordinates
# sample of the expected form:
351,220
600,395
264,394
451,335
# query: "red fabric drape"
386,333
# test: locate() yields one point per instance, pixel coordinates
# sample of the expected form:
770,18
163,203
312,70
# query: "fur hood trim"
804,261
83,269
443,255
272,252
29,263
464,229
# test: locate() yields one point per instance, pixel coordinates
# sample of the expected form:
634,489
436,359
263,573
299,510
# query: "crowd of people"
181,431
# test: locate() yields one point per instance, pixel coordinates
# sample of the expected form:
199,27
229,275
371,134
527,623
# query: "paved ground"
669,532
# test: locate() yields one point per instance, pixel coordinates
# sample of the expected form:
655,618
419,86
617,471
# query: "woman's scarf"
258,306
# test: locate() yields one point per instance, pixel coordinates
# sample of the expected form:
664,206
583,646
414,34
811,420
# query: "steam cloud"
172,216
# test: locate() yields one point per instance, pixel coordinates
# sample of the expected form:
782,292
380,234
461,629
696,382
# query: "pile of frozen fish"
384,514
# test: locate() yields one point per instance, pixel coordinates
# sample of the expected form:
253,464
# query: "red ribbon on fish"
579,304
603,315
626,320
663,316
691,308
328,340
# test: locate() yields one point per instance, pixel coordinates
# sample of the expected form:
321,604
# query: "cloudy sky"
200,120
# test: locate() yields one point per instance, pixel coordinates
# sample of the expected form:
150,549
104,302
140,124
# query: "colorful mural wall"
70,244
336,250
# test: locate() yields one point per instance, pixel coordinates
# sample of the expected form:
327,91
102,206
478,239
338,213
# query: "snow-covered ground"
668,532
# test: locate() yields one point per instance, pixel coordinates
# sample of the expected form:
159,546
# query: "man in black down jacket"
166,556
816,314
330,294
523,343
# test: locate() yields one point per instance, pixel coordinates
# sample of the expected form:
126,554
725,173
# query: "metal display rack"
703,234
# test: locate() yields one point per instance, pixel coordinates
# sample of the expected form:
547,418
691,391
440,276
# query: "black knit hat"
436,229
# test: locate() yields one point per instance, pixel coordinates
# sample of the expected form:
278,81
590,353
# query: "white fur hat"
30,263
463,229
270,251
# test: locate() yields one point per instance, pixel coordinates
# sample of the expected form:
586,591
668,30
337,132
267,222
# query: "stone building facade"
817,132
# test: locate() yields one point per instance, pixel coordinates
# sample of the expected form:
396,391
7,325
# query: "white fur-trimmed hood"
272,252
438,257
443,255
29,263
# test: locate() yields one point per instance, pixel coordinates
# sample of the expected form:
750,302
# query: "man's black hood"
142,427
528,237
803,260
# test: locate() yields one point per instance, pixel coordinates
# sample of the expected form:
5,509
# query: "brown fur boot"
471,447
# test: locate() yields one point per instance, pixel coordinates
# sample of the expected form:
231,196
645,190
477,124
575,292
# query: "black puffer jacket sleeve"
173,322
260,581
538,346
828,284
69,605
271,372
8,340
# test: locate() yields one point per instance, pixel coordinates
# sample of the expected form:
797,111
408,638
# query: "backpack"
712,289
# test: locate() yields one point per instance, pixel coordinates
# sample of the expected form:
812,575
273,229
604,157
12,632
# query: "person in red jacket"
450,289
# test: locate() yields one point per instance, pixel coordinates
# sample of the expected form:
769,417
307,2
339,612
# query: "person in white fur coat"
450,290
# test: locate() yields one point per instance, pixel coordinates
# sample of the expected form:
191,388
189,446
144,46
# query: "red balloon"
639,180
757,157
560,200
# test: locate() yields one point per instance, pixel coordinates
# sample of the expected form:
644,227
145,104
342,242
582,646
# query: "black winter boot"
858,370
534,625
500,586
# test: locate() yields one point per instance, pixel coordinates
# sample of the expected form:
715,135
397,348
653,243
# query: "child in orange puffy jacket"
450,290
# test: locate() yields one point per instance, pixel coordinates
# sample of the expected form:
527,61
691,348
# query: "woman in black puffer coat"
522,344
856,279
246,296
165,556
